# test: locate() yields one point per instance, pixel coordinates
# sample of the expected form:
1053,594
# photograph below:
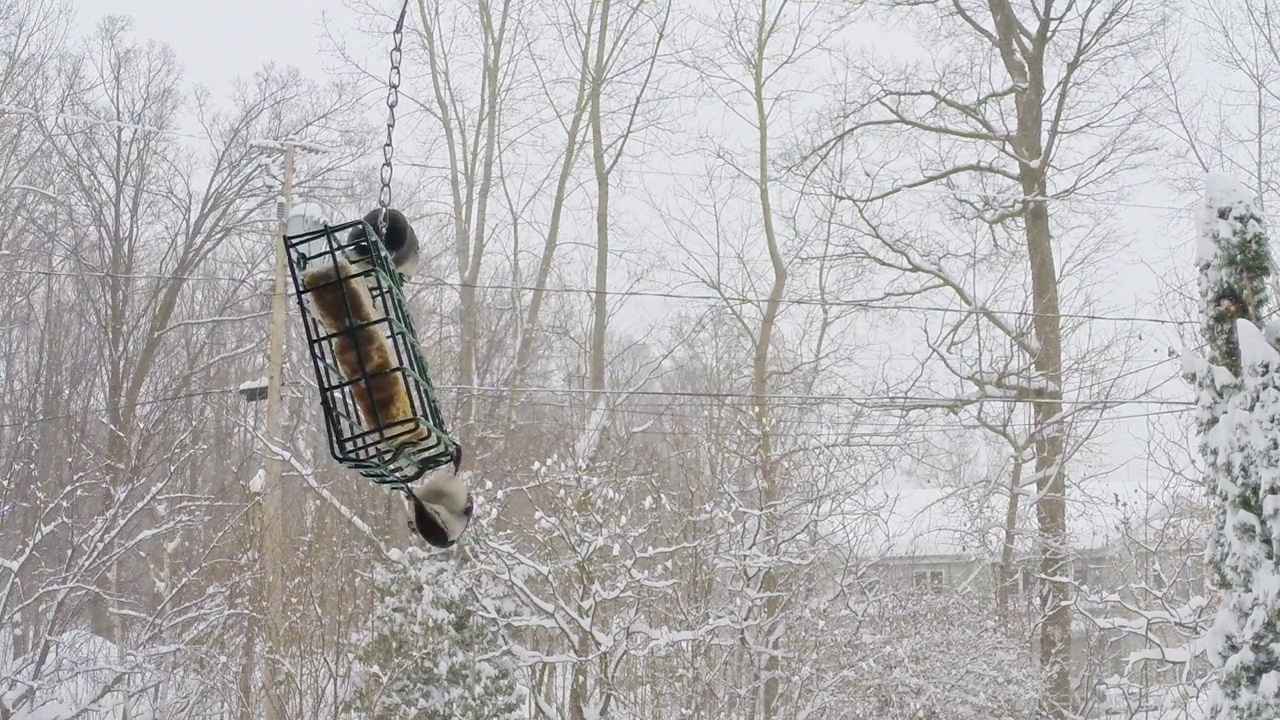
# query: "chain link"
393,99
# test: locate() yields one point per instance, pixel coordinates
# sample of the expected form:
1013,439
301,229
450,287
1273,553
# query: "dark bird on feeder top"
401,241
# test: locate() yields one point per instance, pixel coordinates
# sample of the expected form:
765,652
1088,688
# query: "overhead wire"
820,302
811,397
91,121
122,406
903,425
793,397
80,274
657,294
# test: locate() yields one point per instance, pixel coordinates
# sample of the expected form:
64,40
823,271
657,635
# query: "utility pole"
273,540
272,547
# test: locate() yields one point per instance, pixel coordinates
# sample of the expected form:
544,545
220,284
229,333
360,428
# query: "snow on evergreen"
1247,628
431,653
1233,259
1239,415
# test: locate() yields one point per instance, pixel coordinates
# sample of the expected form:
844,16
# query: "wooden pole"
273,536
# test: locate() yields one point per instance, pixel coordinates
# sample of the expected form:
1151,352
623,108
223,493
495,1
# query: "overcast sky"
219,41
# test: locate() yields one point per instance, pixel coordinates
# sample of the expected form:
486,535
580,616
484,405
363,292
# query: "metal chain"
393,99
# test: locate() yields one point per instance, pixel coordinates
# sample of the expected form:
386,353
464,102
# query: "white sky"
220,41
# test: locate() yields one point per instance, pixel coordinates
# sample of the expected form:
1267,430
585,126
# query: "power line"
913,190
131,276
122,406
661,411
90,121
656,294
922,400
979,194
656,407
705,395
821,302
667,412
97,122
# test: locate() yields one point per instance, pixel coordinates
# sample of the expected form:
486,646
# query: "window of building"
929,579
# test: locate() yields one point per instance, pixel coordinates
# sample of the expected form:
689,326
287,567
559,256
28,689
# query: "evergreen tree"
1234,261
431,654
1239,417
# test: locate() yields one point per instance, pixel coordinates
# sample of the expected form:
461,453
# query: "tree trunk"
469,199
600,306
533,315
1051,510
524,349
1025,66
469,268
760,370
1007,577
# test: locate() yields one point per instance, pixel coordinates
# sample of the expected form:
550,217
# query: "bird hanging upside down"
440,508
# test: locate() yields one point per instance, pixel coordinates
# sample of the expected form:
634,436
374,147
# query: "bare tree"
612,49
1224,119
1040,126
471,63
140,321
31,34
1219,104
755,58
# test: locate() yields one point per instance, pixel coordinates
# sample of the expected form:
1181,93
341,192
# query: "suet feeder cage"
381,414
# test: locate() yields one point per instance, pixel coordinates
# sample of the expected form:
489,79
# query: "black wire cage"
380,408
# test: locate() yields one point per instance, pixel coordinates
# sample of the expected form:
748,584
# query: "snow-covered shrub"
432,654
923,655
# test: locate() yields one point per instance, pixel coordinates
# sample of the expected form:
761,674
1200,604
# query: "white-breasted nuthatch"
439,509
